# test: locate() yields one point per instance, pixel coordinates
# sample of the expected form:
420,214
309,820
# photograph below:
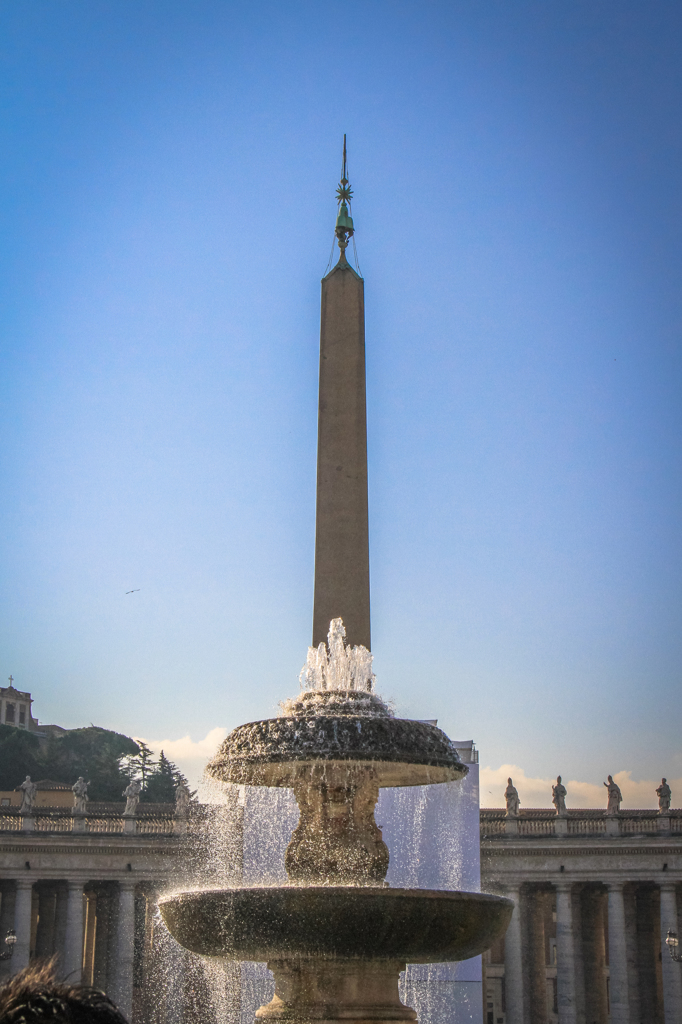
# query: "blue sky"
167,178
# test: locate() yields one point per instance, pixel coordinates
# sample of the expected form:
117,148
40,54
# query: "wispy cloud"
189,755
537,792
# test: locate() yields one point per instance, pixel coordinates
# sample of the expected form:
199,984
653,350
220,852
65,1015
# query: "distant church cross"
11,681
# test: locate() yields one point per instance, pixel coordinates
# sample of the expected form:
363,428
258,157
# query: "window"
9,713
4,802
22,715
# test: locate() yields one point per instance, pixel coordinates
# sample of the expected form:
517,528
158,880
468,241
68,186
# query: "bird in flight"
133,591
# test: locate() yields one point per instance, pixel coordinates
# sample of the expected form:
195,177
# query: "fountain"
337,937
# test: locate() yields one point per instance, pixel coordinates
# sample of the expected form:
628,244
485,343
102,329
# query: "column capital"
25,883
616,886
669,885
126,884
565,885
76,883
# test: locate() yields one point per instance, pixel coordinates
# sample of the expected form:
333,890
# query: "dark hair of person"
34,996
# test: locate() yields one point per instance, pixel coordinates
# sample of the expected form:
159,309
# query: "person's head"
33,996
664,781
509,782
609,778
558,780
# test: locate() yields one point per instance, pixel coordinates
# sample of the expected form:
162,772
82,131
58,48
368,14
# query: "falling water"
182,986
432,834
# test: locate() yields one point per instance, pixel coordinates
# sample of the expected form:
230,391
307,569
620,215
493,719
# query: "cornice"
109,850
586,851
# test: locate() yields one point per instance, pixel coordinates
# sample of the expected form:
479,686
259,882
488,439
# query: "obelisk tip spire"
344,222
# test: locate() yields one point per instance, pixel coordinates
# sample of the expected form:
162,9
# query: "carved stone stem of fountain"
326,991
337,841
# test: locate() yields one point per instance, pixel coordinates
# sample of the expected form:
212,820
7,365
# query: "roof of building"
44,784
11,691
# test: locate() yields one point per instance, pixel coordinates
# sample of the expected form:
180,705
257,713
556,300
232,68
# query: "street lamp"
10,940
672,942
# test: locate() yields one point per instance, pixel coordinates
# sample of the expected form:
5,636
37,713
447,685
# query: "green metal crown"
344,221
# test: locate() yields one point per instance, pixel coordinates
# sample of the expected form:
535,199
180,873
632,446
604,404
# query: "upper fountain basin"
337,726
346,922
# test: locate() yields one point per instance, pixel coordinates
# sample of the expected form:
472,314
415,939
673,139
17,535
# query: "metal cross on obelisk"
342,528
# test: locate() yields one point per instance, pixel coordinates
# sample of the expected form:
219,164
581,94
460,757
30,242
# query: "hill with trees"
107,760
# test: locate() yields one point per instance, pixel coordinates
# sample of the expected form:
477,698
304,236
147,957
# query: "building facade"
84,889
15,710
595,897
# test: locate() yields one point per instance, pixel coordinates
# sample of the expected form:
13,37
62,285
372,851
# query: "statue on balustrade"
182,799
559,798
664,797
80,793
511,795
132,795
29,794
615,797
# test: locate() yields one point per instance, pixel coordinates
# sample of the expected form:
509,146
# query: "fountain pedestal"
336,990
337,837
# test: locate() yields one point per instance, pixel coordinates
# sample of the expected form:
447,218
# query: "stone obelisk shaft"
342,529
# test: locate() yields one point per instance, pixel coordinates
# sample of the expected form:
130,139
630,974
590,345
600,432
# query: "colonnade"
89,924
589,953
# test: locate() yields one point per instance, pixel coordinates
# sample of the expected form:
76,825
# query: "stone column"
537,958
578,955
60,922
122,988
342,524
91,907
672,972
72,960
565,954
618,962
23,906
513,963
634,995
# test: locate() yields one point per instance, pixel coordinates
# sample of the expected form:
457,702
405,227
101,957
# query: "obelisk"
342,527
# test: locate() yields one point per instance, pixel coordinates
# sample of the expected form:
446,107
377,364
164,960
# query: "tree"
161,785
93,753
163,781
19,757
140,766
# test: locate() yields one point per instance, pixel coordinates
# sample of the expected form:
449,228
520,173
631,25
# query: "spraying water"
335,666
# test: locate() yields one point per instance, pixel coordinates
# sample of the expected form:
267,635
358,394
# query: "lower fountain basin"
344,922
